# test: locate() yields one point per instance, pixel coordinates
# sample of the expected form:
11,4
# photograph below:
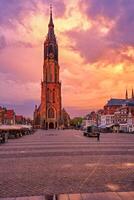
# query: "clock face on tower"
51,55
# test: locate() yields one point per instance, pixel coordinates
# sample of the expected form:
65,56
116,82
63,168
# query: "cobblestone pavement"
55,162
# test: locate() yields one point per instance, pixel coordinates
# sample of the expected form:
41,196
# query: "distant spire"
132,94
126,94
35,107
51,24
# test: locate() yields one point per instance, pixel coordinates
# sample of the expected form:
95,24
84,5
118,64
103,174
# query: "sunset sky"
96,51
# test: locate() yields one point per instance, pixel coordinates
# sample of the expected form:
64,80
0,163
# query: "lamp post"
97,119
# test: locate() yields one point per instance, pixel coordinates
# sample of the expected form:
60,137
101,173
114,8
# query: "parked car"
91,131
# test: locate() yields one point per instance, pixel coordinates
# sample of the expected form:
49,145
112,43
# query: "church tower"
49,110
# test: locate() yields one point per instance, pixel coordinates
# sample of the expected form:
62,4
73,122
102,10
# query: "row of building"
117,115
9,117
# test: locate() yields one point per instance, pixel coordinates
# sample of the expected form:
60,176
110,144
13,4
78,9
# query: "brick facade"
48,114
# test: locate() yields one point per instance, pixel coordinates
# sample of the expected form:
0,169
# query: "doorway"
51,125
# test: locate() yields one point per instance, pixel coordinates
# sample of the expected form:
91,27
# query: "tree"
76,122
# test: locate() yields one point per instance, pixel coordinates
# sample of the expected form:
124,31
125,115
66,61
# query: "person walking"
98,136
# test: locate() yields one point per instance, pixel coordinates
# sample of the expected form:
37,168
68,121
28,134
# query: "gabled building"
118,112
107,120
9,117
90,119
19,119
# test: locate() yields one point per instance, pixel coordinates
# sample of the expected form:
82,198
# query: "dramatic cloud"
12,11
97,45
112,27
96,51
121,12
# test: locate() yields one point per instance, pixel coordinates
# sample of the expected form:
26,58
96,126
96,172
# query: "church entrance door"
51,125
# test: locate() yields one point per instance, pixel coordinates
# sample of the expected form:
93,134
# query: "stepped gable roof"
120,102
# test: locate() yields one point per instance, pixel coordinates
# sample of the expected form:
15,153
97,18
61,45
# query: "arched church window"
50,77
53,95
50,48
49,74
51,113
48,95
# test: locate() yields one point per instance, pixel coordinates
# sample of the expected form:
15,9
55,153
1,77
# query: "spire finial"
51,18
51,9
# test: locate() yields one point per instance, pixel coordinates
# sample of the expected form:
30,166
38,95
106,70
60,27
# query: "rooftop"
120,102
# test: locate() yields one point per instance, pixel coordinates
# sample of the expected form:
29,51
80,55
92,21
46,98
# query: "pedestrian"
98,136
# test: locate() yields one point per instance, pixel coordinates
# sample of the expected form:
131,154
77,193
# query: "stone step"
84,196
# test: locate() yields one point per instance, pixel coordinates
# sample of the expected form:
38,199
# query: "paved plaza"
64,161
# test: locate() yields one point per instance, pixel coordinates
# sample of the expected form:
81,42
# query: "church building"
48,114
114,103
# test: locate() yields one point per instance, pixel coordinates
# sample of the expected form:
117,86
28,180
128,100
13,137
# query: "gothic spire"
50,44
126,94
51,24
51,35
